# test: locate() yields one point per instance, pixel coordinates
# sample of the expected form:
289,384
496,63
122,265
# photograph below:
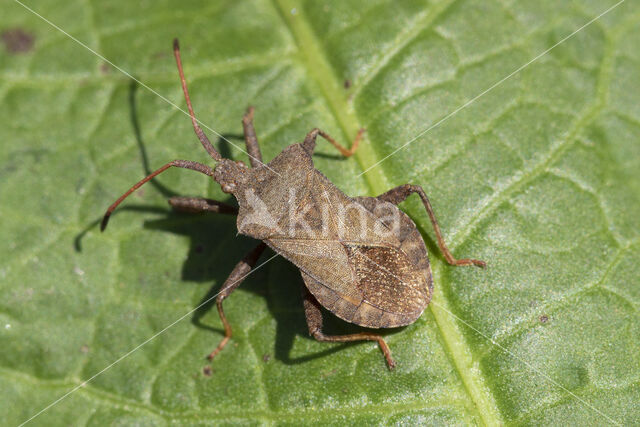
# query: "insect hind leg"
314,322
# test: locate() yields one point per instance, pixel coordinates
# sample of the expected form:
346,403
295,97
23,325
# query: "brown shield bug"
361,258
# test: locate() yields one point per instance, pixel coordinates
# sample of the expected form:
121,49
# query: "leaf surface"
539,176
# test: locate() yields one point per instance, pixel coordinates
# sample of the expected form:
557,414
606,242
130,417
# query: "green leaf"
539,176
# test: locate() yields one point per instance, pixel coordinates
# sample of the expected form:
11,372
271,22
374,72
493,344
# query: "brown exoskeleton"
361,258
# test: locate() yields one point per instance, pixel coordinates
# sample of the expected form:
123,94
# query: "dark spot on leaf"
207,371
544,318
16,40
105,68
347,83
266,357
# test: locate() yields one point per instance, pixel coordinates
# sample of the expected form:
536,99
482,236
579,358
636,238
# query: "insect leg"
234,280
314,322
309,143
399,194
186,164
199,204
250,138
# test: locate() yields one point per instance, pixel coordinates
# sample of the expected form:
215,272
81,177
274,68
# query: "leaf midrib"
314,60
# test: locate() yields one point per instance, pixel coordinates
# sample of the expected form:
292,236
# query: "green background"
539,177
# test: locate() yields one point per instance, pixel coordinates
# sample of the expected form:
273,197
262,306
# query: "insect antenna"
185,164
201,136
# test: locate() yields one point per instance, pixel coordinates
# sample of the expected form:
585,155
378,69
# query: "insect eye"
228,188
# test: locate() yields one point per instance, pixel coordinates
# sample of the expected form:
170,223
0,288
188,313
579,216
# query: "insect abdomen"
391,291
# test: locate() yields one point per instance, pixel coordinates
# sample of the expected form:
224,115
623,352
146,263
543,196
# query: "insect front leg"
200,204
250,138
309,143
237,276
399,194
314,321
